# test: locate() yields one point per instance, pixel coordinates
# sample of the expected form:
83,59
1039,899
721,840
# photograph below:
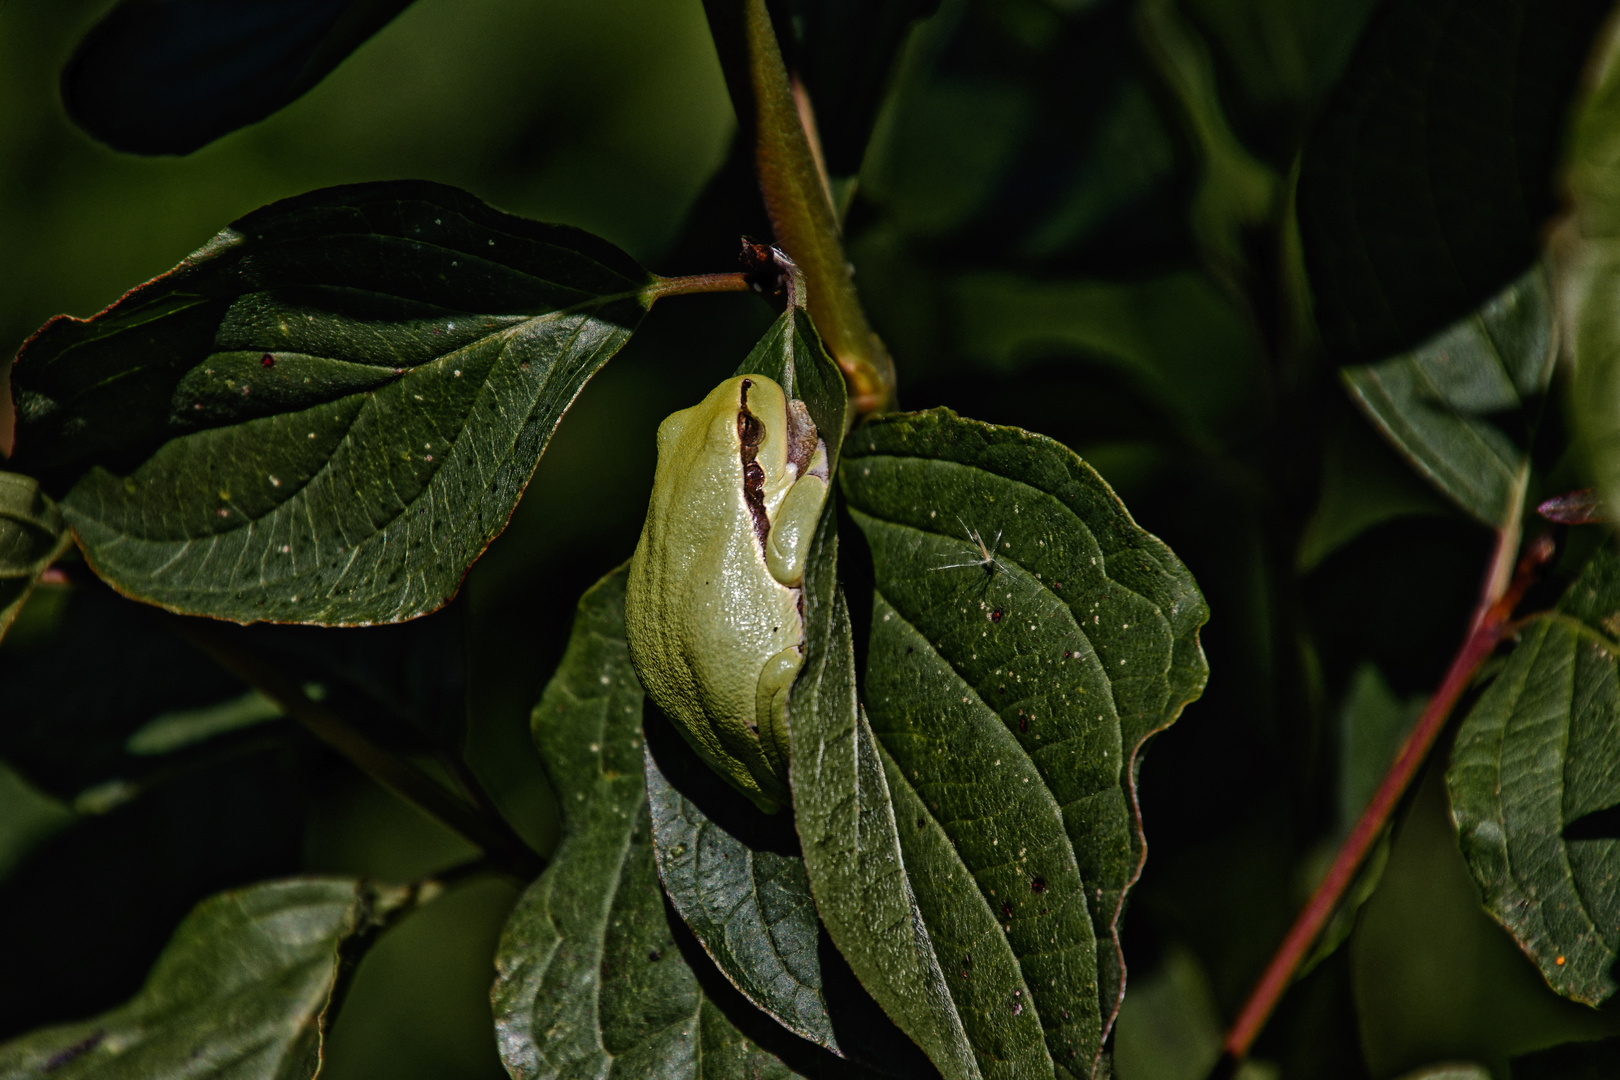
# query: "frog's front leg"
787,548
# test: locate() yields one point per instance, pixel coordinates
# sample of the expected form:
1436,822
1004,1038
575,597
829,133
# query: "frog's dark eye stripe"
749,433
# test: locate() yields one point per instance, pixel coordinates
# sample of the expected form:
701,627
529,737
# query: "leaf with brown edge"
1027,639
329,411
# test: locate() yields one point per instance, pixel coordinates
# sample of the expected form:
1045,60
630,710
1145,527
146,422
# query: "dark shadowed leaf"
1586,266
245,988
157,708
72,735
846,49
32,536
1033,135
1598,1060
737,878
1441,404
594,976
1539,754
169,76
1010,689
328,412
1427,179
84,915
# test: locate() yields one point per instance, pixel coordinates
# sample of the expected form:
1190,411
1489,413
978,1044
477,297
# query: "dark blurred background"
1062,223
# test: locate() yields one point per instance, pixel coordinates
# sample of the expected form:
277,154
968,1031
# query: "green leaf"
32,536
72,736
735,877
328,412
1534,778
1169,1025
1364,484
1429,175
1436,403
245,988
593,977
985,820
1597,1060
159,708
1025,135
84,914
146,79
791,353
738,880
846,51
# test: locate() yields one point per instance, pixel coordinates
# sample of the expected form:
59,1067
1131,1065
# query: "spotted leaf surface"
1026,639
1535,788
594,977
328,412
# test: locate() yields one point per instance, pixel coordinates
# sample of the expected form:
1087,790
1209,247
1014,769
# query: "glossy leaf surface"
244,989
593,977
1535,780
1010,688
328,412
32,536
1427,179
1440,405
169,76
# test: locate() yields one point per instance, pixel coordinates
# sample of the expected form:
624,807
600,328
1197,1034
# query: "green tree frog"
713,607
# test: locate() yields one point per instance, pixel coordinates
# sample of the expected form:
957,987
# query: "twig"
1498,599
698,283
797,197
493,836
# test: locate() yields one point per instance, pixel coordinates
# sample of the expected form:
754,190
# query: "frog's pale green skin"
712,606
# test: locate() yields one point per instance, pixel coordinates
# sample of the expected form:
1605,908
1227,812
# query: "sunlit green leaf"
32,536
1427,179
244,989
1535,783
328,412
1439,403
593,977
986,818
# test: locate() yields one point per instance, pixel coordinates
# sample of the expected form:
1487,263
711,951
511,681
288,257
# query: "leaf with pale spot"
1535,787
328,412
986,814
245,989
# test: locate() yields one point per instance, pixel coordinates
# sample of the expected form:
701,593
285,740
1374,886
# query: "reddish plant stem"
1490,622
698,283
